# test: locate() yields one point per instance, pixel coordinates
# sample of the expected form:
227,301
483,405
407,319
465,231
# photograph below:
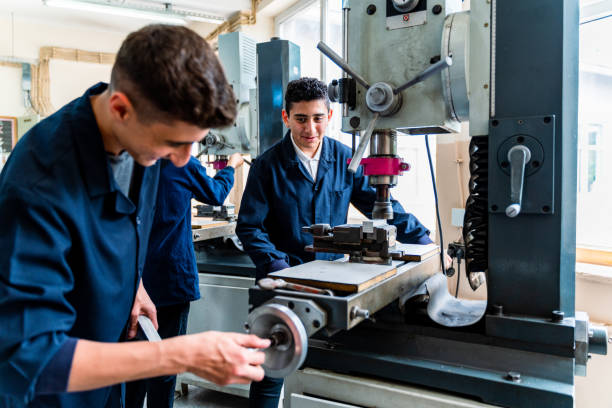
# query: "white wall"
68,79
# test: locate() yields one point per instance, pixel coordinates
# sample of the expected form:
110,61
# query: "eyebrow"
301,115
178,143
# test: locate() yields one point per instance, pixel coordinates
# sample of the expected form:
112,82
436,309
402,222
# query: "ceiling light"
162,13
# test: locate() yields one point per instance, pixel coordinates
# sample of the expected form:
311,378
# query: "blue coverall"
280,198
170,275
71,252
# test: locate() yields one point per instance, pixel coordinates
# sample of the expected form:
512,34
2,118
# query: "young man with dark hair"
303,180
77,198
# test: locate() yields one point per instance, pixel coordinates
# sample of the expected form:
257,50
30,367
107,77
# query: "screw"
486,86
437,9
486,24
557,316
356,312
497,310
513,376
247,327
371,9
355,121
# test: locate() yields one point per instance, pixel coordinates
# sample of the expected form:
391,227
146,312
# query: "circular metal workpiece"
404,6
288,335
380,98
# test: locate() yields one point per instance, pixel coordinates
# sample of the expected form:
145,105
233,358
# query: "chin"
146,161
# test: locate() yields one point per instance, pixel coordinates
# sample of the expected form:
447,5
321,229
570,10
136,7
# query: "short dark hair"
170,73
305,89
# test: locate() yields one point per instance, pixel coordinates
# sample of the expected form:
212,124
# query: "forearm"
96,364
222,358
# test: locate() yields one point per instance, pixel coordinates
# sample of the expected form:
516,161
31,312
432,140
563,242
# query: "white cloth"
311,165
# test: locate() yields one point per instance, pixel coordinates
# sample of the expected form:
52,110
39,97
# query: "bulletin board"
8,133
8,137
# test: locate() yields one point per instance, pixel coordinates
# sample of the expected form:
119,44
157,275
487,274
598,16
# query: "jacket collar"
96,170
290,159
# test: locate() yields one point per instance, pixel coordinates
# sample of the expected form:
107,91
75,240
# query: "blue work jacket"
171,275
71,250
281,197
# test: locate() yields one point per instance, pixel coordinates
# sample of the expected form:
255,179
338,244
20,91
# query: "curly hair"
305,89
170,73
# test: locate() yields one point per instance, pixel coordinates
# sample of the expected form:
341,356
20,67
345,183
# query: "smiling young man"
77,198
303,180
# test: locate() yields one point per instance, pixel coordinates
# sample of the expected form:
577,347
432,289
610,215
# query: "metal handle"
429,71
363,143
518,157
329,53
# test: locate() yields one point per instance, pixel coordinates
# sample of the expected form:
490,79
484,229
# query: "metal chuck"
289,340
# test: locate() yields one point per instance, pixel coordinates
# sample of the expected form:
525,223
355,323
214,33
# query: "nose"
312,127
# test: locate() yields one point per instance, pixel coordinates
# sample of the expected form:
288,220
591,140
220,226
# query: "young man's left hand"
143,305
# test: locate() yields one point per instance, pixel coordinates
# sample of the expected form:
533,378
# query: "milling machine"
418,67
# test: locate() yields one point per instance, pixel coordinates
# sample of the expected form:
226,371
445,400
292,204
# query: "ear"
329,115
285,118
121,108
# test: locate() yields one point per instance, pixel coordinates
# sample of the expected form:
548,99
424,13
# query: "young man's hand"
223,358
143,305
235,160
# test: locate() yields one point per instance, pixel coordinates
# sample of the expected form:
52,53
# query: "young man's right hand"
223,358
235,160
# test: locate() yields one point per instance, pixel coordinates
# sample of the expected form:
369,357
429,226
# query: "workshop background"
65,51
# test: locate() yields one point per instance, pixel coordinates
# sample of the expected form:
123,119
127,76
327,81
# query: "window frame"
585,253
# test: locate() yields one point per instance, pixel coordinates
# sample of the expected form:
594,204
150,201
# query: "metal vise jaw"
225,212
366,243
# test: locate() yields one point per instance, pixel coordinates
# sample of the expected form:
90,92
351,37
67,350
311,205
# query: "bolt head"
497,310
557,316
513,376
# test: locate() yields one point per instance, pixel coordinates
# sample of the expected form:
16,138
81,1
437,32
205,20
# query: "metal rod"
363,143
329,53
345,55
429,71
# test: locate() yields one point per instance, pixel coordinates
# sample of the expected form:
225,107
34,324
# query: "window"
301,25
594,203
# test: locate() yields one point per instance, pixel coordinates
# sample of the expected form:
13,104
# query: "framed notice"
8,137
8,133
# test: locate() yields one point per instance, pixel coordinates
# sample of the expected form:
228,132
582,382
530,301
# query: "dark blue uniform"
171,275
71,249
281,197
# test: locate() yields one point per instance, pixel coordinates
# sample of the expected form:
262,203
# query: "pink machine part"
219,164
383,166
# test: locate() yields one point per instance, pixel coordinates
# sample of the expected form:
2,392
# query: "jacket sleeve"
409,228
209,190
34,280
251,229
